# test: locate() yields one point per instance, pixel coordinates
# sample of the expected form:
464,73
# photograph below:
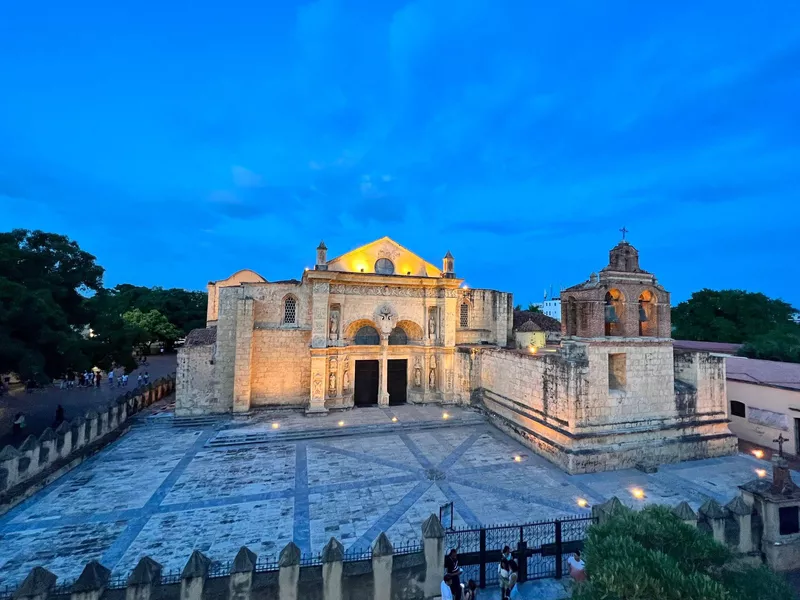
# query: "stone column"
47,447
9,462
144,577
433,536
37,585
64,439
289,572
383,395
715,515
241,580
382,562
29,463
319,383
194,575
243,354
332,566
685,513
92,582
742,512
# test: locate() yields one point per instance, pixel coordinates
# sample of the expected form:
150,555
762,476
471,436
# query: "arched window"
367,336
464,315
648,325
383,266
398,337
290,310
613,312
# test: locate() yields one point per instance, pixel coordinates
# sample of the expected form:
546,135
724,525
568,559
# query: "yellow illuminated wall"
363,259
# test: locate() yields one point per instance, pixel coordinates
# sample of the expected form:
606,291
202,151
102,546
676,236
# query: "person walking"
577,568
111,377
504,577
139,380
97,377
454,571
146,377
444,588
125,379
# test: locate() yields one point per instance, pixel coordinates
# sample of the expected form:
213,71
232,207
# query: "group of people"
92,379
508,573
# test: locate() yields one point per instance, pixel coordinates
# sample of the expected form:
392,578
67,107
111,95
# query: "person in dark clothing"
453,570
59,415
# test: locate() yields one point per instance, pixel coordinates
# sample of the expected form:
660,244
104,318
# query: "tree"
533,308
44,278
782,344
652,554
150,327
729,316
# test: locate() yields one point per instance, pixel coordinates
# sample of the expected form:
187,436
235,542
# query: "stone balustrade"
383,573
41,460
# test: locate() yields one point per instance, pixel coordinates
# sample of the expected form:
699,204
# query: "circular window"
383,266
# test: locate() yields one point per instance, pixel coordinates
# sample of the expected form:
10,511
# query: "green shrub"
652,554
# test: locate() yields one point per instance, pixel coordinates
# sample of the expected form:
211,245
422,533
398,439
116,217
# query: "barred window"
290,310
465,315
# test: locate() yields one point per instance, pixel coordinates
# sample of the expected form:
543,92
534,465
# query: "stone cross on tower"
624,231
780,442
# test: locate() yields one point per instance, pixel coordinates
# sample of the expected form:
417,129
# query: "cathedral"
379,326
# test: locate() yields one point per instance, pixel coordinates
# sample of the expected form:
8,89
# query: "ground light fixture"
761,473
394,419
517,458
582,502
275,425
445,416
637,493
758,453
341,423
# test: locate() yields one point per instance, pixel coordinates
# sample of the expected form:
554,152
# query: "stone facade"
299,343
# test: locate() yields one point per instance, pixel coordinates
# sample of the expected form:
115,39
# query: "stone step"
262,436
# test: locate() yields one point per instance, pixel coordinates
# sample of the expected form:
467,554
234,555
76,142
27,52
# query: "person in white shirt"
577,568
447,593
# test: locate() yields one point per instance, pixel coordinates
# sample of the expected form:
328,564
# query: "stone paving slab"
161,491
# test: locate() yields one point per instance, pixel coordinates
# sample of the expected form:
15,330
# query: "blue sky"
182,141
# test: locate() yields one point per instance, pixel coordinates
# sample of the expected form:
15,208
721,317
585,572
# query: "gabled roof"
392,250
764,372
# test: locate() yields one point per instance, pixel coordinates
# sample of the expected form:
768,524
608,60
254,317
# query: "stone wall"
385,573
196,384
281,367
491,317
38,462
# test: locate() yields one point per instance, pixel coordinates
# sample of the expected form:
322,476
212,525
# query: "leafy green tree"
149,327
729,316
782,344
533,308
44,278
652,554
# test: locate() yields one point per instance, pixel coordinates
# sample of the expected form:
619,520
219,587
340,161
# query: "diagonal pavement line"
423,460
689,488
301,529
226,501
362,484
459,451
117,550
390,517
368,458
522,497
459,504
482,469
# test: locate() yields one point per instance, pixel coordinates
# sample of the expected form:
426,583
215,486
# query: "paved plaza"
264,480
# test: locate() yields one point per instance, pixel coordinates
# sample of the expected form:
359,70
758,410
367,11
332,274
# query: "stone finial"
9,453
94,577
30,443
38,583
382,546
48,435
432,528
289,556
739,507
63,429
711,509
197,565
146,572
245,561
333,551
684,512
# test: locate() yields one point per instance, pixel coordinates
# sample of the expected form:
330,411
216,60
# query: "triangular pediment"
363,259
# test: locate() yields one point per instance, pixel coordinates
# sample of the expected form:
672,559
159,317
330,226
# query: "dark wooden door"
398,381
366,391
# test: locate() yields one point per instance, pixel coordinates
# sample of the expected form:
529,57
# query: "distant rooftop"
764,372
718,347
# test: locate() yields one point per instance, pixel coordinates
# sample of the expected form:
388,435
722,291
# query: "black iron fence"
540,549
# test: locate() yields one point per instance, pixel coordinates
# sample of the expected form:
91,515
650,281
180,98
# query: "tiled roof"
529,325
543,321
719,347
201,337
764,372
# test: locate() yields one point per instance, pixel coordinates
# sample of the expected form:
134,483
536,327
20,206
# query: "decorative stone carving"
333,330
417,373
346,374
432,379
449,379
317,385
432,324
386,318
321,287
399,291
332,383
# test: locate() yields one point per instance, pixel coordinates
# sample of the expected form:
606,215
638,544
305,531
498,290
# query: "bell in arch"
642,314
611,314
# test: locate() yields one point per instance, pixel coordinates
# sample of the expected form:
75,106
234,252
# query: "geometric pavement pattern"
162,492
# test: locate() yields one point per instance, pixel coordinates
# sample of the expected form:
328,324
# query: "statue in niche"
432,325
417,374
346,381
432,378
332,383
334,325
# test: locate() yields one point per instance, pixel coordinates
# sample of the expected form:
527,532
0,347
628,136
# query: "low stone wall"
38,462
384,573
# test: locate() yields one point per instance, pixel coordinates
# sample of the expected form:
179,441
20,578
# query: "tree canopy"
652,554
763,324
150,326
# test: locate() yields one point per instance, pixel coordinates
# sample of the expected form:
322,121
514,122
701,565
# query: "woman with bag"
504,575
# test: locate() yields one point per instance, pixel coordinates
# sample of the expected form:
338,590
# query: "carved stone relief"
346,374
316,390
333,328
332,368
432,323
417,373
449,379
386,318
404,292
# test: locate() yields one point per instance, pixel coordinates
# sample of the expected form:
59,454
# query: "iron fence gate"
540,549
